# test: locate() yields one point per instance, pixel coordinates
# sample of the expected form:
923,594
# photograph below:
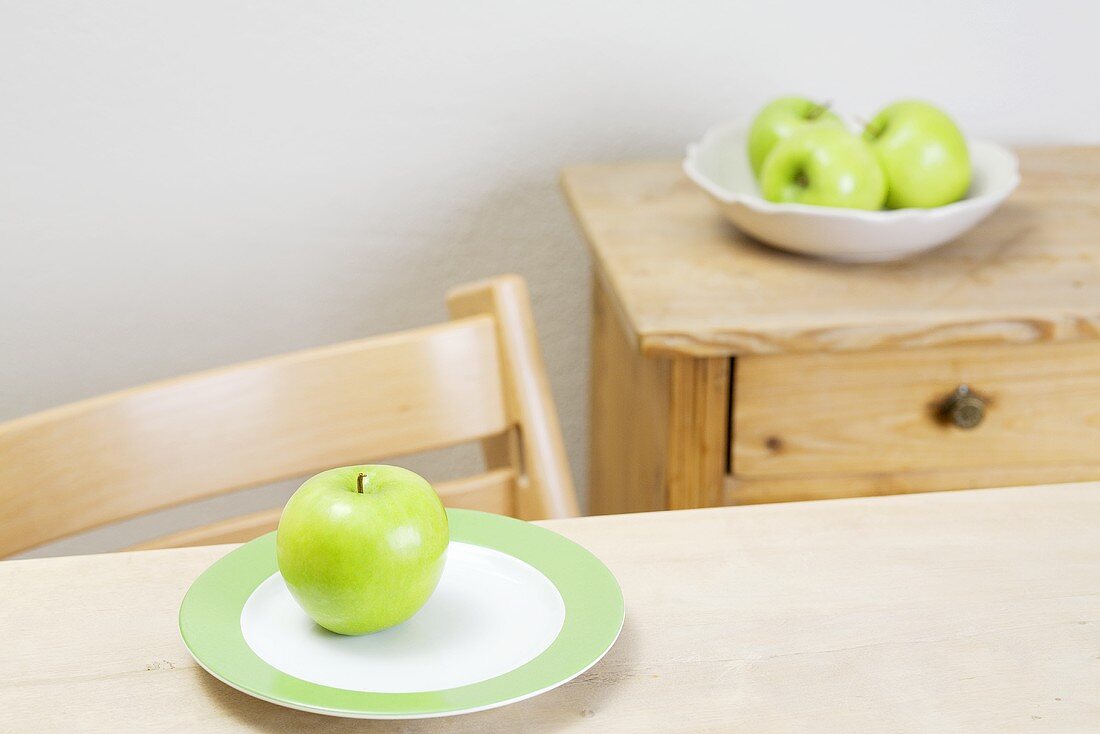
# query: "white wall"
189,184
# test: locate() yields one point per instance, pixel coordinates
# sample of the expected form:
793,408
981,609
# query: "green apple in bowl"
781,118
923,153
361,548
824,166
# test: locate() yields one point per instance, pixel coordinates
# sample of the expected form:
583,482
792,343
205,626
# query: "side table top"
688,283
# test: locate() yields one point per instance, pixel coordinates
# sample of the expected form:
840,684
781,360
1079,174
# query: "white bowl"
720,166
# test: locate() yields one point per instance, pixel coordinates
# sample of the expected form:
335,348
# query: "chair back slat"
128,453
492,491
546,487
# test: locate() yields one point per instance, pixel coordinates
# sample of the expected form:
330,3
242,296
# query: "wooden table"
726,372
965,611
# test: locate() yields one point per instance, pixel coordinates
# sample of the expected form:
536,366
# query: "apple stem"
359,482
819,110
875,130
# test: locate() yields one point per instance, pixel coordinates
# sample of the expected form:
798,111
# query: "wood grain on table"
966,611
688,283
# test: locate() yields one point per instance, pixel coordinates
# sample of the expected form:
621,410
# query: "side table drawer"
1029,406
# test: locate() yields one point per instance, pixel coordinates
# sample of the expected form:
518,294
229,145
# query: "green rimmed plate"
519,610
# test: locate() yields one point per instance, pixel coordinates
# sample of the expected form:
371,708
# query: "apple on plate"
781,118
361,548
923,154
824,165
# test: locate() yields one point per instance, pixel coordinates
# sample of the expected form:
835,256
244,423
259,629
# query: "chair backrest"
478,377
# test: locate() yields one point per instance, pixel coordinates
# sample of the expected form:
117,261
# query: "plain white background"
189,184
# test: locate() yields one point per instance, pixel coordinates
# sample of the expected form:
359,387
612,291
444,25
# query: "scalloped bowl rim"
758,203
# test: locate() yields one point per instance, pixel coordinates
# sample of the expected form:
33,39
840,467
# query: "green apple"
825,166
923,154
362,548
778,120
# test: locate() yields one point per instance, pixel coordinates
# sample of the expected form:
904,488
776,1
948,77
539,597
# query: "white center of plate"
490,614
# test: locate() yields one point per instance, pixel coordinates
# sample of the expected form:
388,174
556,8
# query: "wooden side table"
726,372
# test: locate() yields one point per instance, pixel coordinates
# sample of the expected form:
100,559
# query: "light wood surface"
120,455
756,490
831,372
689,284
961,612
697,445
545,489
659,427
628,418
875,412
492,491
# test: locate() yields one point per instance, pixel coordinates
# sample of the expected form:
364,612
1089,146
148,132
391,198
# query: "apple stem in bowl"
359,482
869,127
862,121
819,110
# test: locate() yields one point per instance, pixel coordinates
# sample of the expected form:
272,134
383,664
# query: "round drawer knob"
963,408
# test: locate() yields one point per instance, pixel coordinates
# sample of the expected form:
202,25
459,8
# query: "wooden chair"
478,377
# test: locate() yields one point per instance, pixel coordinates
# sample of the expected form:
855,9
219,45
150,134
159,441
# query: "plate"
518,611
719,165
